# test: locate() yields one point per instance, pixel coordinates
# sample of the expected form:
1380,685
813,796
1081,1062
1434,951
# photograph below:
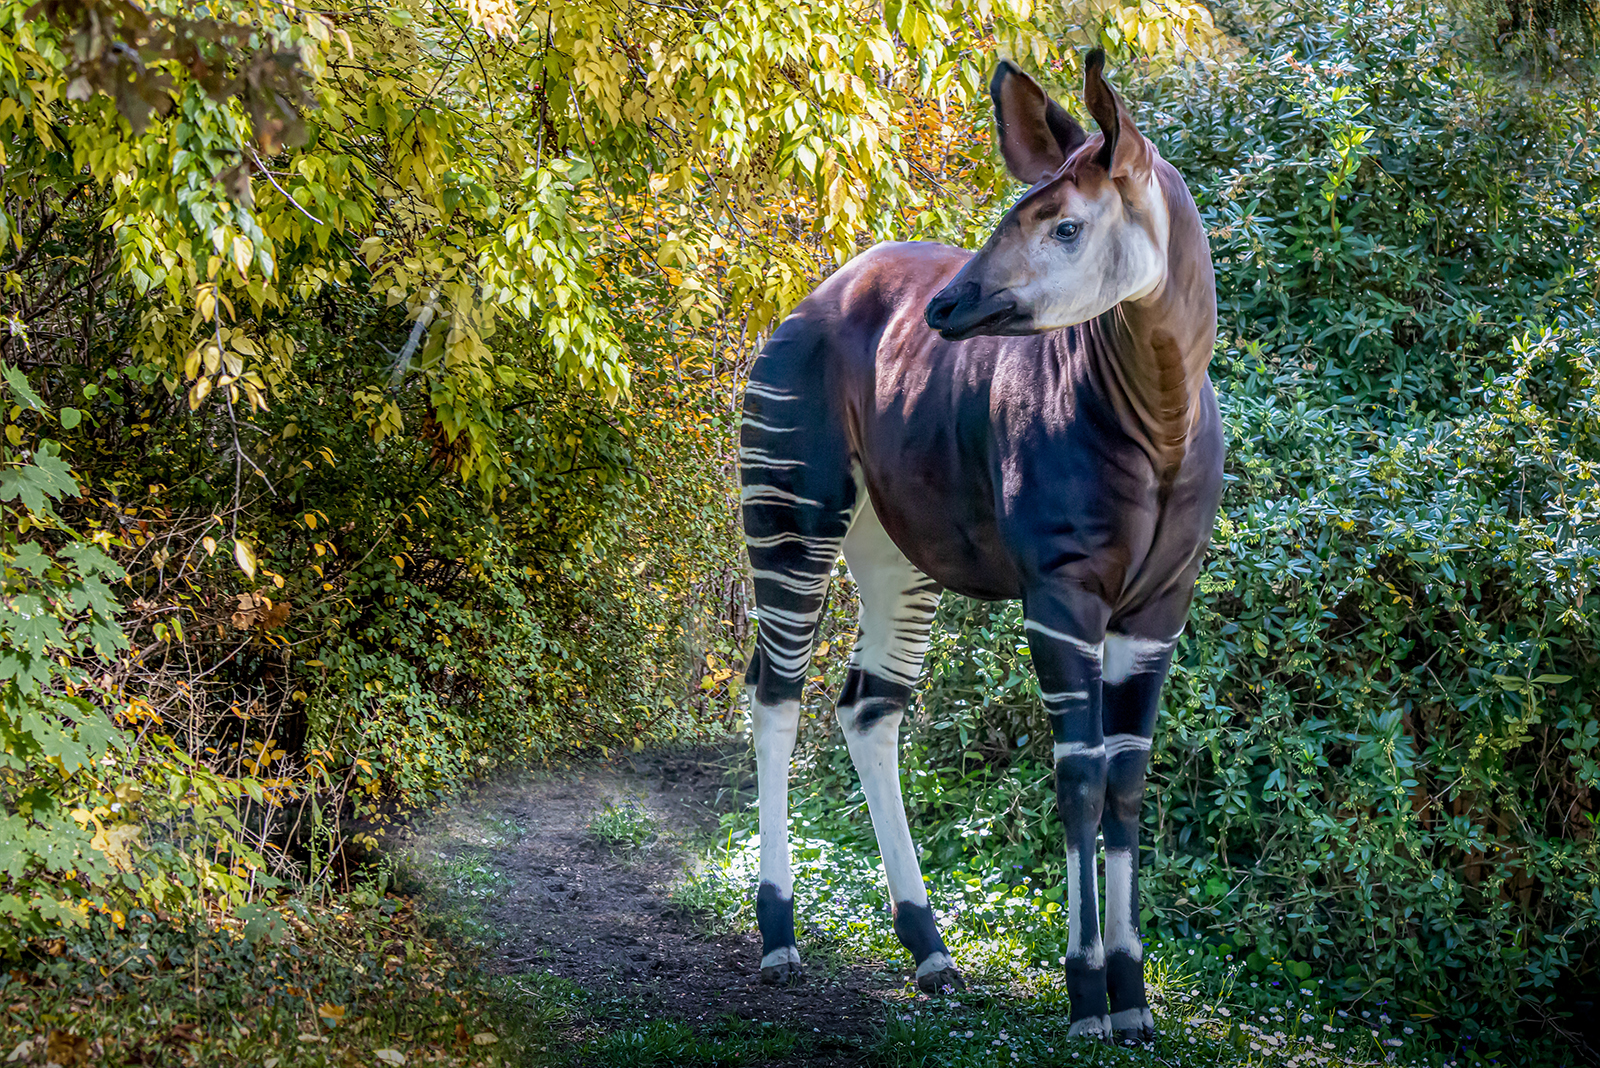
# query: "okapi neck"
1151,354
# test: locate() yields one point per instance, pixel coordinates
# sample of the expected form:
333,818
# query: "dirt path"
549,897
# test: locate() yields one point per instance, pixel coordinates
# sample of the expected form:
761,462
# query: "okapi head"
1090,234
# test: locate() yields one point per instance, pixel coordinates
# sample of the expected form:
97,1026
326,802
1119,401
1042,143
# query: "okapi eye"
1067,230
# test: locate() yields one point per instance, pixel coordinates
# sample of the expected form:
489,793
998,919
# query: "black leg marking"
914,926
871,698
775,918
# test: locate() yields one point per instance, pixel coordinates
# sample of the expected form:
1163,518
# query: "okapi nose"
944,303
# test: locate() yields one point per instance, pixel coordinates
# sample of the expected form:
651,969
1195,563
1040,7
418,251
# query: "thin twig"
263,168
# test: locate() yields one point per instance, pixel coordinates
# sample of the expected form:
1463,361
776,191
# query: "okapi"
1031,421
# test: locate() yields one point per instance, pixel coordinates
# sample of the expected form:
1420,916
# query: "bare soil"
565,904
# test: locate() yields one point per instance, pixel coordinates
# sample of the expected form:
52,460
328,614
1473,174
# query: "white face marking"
1077,749
1116,256
1120,906
1126,655
1092,650
1117,744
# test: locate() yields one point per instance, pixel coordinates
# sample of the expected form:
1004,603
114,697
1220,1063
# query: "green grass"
1211,1008
624,827
729,1041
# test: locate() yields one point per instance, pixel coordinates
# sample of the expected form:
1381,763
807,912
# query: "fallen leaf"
485,1038
390,1056
65,1049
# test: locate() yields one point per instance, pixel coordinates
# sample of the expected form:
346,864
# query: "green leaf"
20,390
70,418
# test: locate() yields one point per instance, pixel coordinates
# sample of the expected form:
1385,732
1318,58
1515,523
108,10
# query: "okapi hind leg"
897,606
1133,672
798,496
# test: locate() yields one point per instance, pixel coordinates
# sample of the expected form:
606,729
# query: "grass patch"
729,1041
624,827
1211,1008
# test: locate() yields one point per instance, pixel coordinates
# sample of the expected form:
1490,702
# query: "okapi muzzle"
1032,421
961,310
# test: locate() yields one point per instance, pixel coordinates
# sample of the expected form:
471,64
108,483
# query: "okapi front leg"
1133,671
1069,681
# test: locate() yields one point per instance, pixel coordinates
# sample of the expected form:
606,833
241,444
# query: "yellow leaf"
198,395
209,544
485,1038
311,520
245,557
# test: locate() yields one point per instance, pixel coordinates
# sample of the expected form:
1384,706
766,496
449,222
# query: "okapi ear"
1125,153
1036,134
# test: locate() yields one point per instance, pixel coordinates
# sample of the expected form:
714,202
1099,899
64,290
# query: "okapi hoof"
785,974
1133,1025
943,981
781,967
1097,1028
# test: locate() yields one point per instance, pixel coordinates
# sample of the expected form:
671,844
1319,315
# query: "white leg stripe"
761,390
762,458
1117,744
756,424
1092,650
936,962
1126,656
1120,934
1066,749
801,583
773,495
1094,954
1092,1027
786,955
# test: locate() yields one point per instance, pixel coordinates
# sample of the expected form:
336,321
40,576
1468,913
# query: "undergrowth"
300,986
